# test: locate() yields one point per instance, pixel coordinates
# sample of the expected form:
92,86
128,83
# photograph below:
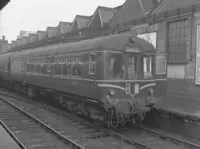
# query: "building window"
176,41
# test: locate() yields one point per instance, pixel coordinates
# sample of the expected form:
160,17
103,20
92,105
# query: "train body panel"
82,87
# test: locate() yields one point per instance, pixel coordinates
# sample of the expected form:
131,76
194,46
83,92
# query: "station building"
173,27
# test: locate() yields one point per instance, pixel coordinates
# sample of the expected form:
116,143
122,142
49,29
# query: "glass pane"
147,67
116,66
132,67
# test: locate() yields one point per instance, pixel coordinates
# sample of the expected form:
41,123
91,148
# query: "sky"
34,15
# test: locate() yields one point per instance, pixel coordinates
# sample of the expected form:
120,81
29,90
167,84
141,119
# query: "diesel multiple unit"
112,79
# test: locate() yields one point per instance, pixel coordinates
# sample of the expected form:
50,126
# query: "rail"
60,136
123,137
172,139
19,143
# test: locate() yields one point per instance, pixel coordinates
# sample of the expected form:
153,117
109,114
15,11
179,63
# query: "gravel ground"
79,133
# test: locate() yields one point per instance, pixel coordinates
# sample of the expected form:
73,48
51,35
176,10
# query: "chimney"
3,38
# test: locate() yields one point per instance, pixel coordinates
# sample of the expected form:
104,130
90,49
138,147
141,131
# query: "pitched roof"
118,7
131,9
62,28
25,40
79,22
167,5
102,16
149,5
32,37
40,35
50,31
25,33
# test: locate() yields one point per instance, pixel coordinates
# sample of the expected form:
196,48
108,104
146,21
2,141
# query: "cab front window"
147,67
131,67
116,66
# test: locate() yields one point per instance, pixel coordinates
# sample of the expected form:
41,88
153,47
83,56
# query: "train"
112,79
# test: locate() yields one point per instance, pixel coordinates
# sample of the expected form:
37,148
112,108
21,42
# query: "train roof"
116,42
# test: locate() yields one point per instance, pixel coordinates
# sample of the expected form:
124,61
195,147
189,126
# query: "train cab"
130,79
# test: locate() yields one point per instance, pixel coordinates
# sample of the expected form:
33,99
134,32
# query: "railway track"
82,134
141,137
29,132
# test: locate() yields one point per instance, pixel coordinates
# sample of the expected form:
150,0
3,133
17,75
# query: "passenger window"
43,65
27,66
131,67
65,66
33,66
76,67
147,67
58,66
23,65
52,65
77,59
38,66
92,64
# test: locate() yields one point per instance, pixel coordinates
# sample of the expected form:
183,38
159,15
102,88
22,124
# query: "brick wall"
161,38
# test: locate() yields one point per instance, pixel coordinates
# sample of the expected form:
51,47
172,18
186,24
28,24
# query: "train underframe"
84,107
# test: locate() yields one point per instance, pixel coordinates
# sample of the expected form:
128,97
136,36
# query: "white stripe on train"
122,88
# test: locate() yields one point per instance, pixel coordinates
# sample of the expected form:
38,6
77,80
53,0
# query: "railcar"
112,79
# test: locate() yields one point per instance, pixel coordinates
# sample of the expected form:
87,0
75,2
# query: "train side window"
73,65
58,66
147,66
43,65
69,65
28,66
64,68
32,66
38,66
92,64
62,63
52,65
24,66
77,59
76,69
